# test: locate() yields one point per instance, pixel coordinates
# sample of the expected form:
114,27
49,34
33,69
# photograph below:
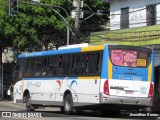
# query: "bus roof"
71,50
62,51
74,46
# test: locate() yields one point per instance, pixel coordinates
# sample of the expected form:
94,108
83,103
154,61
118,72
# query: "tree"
99,20
25,31
15,30
37,25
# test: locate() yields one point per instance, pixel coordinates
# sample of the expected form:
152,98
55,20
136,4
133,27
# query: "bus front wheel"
29,106
68,104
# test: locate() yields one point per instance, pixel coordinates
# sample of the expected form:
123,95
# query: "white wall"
134,17
158,14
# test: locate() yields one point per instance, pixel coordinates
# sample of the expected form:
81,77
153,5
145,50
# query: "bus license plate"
128,92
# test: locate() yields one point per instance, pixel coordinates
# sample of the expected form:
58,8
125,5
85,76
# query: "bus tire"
29,106
62,109
68,104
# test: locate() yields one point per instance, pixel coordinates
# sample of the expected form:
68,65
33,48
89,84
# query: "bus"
97,77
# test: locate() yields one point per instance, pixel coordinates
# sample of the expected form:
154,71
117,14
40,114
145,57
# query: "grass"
149,35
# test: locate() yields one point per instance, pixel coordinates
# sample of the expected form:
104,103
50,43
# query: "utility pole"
77,13
1,88
77,16
1,70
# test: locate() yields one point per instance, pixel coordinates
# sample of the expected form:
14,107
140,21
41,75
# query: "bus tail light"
106,88
151,90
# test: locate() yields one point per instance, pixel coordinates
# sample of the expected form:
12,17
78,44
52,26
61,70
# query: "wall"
9,55
136,19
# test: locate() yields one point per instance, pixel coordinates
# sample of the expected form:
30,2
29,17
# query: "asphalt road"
17,111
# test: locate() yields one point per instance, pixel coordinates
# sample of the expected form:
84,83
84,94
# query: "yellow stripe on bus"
89,77
109,69
92,48
150,72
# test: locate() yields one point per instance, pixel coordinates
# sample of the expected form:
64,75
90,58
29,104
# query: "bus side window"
44,67
78,64
18,73
72,65
65,65
93,63
98,63
52,66
27,67
83,64
40,67
74,68
70,61
60,69
86,64
30,68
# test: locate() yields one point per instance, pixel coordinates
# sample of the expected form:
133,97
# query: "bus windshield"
130,58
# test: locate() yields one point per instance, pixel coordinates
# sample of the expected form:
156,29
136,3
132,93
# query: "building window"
124,22
151,15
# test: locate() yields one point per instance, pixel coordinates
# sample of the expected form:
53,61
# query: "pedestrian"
11,91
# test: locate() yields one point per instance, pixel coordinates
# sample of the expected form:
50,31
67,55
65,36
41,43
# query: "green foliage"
132,36
36,25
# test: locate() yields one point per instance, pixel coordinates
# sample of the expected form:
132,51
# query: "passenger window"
78,64
30,68
40,67
53,65
93,63
18,72
65,65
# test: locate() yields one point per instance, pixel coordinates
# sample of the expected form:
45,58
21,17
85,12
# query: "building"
132,22
134,13
7,68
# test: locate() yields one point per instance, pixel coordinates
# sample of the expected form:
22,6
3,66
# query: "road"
50,113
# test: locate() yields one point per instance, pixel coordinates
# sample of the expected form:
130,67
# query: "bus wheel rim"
28,103
67,105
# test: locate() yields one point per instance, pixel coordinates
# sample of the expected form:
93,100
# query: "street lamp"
67,22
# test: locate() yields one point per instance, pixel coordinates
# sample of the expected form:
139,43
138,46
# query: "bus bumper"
123,100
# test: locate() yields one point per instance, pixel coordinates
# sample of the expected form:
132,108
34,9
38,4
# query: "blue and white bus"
102,77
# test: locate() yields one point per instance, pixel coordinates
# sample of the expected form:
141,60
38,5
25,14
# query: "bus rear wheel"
29,106
62,109
68,104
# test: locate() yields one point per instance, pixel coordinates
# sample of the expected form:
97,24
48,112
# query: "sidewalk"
11,102
39,109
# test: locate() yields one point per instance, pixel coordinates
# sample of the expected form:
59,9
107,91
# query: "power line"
97,13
